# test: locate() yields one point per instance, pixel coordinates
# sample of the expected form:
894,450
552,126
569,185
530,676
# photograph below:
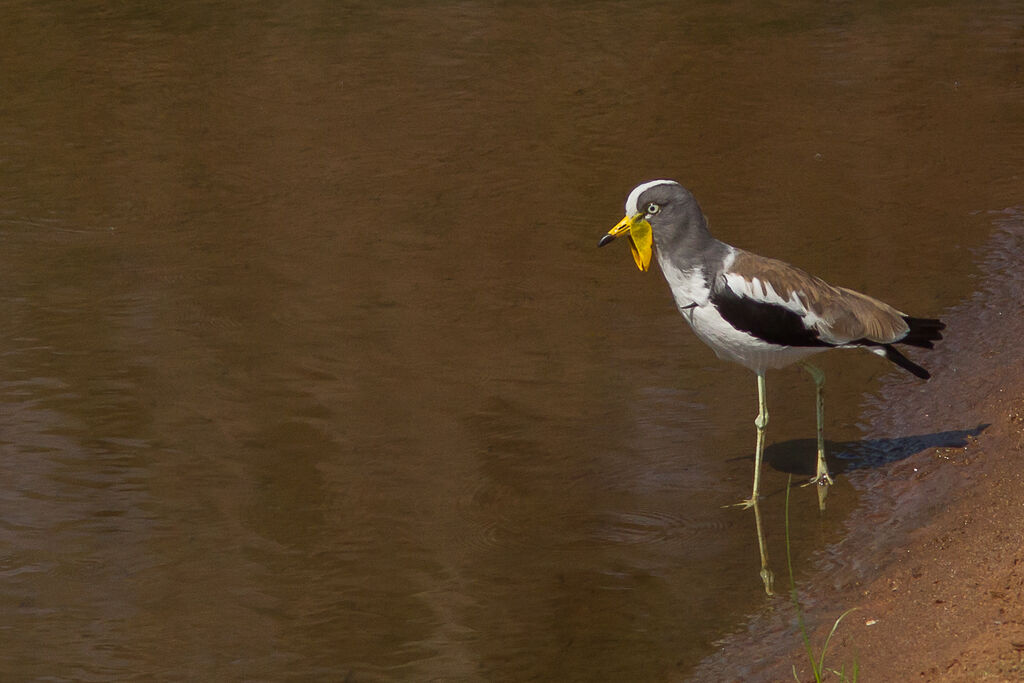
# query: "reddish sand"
949,605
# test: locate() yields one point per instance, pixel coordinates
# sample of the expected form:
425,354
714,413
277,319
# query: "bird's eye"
652,209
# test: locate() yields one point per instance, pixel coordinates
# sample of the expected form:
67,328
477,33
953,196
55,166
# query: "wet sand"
933,565
947,604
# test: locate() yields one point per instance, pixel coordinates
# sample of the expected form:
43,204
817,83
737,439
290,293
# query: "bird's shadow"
799,456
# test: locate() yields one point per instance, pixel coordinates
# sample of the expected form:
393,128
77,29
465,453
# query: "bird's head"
658,207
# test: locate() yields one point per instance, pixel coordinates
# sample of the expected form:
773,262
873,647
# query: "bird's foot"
744,504
822,479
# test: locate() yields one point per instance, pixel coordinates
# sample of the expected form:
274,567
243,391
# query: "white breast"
688,286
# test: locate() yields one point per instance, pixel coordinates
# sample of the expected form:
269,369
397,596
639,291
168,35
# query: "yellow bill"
641,239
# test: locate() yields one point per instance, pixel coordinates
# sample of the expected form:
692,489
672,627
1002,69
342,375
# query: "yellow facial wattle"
641,242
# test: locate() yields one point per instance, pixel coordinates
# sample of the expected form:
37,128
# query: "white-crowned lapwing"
756,311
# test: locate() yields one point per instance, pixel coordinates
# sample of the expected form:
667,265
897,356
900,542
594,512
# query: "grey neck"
692,246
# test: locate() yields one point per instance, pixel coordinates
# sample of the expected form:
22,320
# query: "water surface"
311,368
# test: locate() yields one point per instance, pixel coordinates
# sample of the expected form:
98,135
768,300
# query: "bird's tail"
923,333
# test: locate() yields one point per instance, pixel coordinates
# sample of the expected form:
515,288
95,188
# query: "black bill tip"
605,240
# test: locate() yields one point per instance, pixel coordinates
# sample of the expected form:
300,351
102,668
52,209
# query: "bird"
760,312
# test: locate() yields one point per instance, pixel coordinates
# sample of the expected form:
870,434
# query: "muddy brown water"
312,369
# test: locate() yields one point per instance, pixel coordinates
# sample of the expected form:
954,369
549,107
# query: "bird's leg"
761,422
767,577
821,476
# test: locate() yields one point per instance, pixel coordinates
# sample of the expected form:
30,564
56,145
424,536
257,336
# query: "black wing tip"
923,332
905,363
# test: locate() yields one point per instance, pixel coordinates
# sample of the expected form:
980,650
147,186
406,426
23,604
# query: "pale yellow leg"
767,577
821,476
761,422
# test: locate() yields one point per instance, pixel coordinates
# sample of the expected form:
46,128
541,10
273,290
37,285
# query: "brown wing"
839,315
